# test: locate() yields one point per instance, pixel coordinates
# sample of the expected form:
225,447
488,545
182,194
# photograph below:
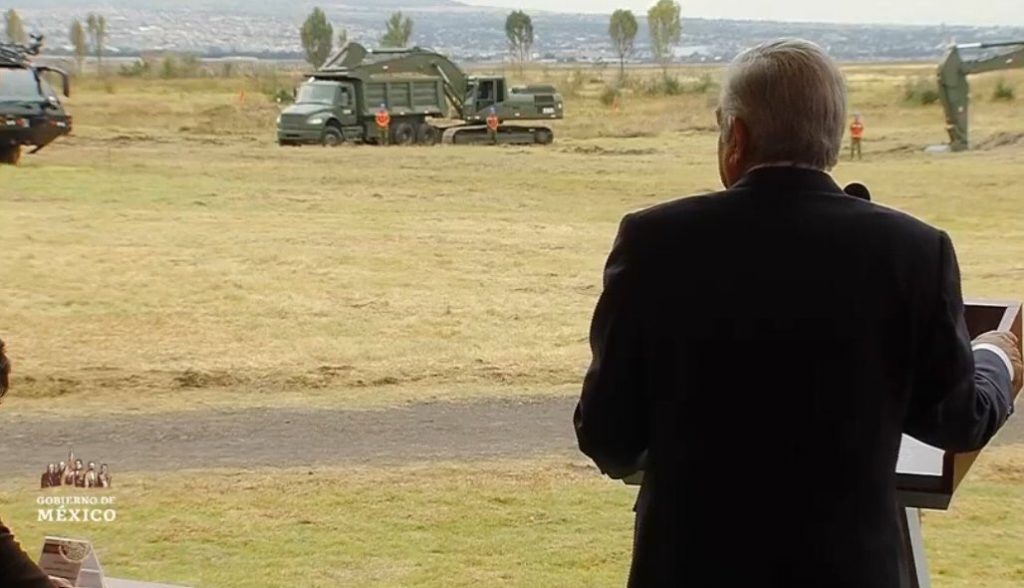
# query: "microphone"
858,190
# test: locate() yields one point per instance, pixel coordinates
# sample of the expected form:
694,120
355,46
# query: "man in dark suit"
756,346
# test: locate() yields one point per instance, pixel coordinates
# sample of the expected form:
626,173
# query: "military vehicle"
31,113
419,88
955,91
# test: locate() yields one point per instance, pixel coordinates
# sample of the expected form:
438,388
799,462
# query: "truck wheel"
333,137
544,136
427,134
10,155
403,134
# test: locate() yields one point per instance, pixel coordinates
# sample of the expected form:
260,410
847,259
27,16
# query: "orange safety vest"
857,130
383,118
493,122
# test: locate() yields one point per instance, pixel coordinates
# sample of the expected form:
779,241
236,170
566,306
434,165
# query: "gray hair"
792,98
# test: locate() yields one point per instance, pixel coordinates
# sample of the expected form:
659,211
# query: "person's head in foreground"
782,102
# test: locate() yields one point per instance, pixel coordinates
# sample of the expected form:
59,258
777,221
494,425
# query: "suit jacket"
764,349
17,570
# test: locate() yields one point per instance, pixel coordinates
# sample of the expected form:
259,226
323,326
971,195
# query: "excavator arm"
955,90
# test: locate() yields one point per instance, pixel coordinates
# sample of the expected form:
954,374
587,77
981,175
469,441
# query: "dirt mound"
598,150
199,379
252,116
999,140
901,148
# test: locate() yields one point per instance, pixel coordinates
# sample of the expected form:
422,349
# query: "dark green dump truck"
31,113
419,88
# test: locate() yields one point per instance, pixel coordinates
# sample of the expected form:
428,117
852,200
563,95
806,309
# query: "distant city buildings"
478,35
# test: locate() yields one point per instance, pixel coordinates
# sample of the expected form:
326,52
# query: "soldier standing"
383,125
856,137
492,125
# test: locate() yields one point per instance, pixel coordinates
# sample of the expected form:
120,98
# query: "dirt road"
285,438
299,438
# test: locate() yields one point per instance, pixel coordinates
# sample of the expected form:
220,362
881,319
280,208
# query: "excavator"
955,91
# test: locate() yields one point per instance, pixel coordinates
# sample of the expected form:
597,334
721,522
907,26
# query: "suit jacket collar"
788,179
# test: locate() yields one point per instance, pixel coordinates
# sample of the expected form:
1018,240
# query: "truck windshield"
317,94
18,84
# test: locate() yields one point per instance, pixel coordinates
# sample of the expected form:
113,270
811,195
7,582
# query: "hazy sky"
982,12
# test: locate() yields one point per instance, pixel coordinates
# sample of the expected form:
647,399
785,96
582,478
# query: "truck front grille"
293,120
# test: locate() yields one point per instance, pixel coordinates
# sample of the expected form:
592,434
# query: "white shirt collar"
784,164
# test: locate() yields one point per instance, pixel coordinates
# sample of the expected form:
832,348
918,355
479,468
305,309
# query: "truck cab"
325,111
31,111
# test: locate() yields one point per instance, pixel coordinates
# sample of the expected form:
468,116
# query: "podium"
75,561
928,477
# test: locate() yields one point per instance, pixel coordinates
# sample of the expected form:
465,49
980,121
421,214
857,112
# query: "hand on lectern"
1010,345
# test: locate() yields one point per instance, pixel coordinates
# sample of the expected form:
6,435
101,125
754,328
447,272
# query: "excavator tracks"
507,135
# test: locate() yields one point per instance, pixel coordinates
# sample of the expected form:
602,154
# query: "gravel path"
299,438
290,437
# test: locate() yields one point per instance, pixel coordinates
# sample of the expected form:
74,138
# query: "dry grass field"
170,257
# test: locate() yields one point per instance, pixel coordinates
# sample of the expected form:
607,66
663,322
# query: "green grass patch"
549,522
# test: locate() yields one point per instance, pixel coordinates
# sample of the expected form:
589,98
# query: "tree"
97,26
14,28
666,27
79,41
317,38
519,30
399,31
623,29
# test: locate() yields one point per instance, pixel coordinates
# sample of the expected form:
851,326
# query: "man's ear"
740,139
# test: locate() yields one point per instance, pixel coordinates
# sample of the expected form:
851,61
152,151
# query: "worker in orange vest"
856,137
492,126
383,125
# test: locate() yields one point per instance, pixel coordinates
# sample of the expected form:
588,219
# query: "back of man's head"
792,98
